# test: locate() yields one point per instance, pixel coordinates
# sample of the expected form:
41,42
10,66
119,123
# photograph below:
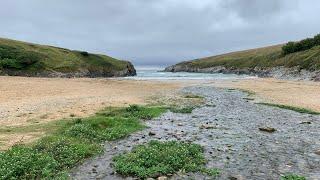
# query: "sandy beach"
305,94
27,101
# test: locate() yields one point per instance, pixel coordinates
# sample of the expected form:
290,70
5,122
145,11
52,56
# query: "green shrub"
302,45
10,64
289,48
14,58
317,39
160,158
84,53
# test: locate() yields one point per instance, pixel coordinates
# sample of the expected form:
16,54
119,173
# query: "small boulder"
305,122
152,133
162,178
267,129
207,126
317,152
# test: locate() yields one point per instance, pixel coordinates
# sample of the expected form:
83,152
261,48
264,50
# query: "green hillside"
274,61
266,57
27,59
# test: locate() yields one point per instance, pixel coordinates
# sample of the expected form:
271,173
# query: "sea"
156,73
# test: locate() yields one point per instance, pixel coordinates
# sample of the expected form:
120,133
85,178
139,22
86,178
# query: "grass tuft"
161,158
296,109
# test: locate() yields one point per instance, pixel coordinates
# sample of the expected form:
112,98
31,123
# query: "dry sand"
304,94
25,101
29,101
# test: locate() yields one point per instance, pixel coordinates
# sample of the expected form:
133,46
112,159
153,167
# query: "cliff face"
294,73
27,59
262,62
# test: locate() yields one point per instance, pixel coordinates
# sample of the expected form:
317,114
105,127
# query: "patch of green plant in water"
71,142
248,92
248,99
211,105
183,110
296,109
134,111
193,96
292,177
232,89
212,172
161,158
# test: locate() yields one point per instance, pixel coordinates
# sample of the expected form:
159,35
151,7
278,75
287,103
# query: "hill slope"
264,62
27,59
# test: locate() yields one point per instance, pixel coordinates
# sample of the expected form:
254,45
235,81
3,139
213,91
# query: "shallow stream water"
227,126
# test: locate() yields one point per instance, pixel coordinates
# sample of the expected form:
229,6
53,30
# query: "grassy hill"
261,61
266,57
27,59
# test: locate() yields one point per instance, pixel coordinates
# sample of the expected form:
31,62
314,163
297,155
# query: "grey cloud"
159,31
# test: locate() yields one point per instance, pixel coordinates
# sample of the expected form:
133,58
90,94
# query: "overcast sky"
159,31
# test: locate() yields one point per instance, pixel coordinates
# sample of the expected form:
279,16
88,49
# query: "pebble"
162,178
267,129
152,133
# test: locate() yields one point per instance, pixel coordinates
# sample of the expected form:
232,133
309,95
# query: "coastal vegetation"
292,177
305,44
161,158
27,59
297,56
296,109
183,110
72,141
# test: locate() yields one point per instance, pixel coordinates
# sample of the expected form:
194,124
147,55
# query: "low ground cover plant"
292,177
161,158
71,142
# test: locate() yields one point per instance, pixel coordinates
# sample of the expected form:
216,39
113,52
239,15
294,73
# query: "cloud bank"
159,32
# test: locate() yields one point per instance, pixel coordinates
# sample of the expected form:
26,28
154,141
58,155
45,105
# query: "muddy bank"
228,128
294,73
